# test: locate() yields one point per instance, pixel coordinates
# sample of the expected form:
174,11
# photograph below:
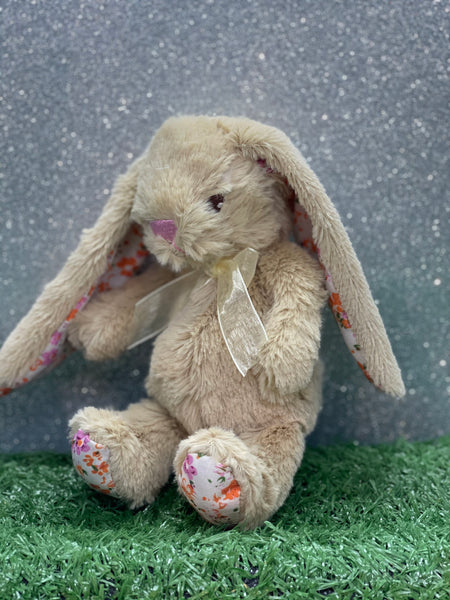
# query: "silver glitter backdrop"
361,88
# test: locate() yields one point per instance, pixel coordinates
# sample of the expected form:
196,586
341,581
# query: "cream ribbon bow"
241,327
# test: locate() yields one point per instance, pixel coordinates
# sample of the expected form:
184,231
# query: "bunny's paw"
211,488
283,371
222,479
91,461
102,329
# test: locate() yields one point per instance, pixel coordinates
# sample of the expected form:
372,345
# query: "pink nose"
165,229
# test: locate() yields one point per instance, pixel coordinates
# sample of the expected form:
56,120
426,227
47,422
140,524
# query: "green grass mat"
361,522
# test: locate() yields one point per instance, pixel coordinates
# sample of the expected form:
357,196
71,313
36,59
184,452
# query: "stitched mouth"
178,251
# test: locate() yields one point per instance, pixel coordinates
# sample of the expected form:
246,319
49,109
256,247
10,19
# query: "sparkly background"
360,87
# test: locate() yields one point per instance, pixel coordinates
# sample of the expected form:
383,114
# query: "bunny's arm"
296,284
102,330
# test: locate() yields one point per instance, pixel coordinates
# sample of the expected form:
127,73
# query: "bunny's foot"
210,487
125,454
221,478
91,461
241,480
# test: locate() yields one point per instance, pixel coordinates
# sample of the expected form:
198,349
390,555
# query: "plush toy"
221,240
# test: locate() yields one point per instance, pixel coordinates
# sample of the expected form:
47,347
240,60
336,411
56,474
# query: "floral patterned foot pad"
211,489
91,462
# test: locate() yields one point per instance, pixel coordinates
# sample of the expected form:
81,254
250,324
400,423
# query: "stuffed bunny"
222,237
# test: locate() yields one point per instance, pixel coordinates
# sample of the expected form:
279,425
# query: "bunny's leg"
126,454
231,479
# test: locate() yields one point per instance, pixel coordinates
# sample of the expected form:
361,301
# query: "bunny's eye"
216,201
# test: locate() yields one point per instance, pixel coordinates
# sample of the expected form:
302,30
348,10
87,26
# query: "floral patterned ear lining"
130,257
303,235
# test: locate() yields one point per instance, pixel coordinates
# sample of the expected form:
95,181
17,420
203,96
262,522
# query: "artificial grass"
361,522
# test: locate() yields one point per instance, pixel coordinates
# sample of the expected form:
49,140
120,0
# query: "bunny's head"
198,199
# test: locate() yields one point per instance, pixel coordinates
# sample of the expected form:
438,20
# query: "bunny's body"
206,191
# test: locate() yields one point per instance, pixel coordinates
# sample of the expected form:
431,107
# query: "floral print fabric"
91,461
211,489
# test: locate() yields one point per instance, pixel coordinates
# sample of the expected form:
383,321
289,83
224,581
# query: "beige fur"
256,425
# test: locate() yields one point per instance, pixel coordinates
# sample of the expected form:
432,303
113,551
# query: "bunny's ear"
317,226
37,342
